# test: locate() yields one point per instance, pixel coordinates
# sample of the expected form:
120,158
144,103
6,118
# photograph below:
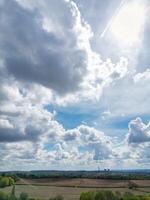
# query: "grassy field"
72,188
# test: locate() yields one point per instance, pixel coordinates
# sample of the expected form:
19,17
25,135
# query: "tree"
11,181
4,181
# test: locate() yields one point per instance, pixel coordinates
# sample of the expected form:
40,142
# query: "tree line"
80,174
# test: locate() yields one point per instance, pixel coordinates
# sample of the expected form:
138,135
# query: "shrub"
100,195
23,196
132,185
3,196
87,196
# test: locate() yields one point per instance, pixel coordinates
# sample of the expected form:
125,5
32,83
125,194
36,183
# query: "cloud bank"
47,61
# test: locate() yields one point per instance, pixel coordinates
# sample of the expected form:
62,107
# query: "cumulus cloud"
47,61
133,151
50,48
48,57
35,135
90,139
138,131
30,134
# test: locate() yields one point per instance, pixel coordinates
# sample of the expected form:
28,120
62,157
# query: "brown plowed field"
78,182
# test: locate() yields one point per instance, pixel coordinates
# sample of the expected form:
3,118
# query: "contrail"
112,19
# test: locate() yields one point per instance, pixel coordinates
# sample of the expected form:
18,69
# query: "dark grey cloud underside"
15,135
32,54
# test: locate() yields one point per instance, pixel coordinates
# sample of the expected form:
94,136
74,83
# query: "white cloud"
47,60
144,77
60,57
128,96
138,131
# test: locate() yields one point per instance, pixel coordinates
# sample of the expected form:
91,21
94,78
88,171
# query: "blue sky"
74,84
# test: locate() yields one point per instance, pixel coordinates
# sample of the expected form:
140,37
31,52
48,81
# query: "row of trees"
109,195
6,181
80,174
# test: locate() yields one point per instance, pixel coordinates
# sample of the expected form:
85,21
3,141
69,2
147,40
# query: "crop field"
75,182
72,188
83,182
69,193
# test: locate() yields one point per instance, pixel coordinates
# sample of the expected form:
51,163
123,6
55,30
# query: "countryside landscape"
74,99
75,185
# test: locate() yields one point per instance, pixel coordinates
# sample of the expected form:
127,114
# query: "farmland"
72,188
82,182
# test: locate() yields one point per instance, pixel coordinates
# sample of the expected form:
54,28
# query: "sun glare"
128,24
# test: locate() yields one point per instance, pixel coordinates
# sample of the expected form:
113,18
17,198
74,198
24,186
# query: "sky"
74,84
